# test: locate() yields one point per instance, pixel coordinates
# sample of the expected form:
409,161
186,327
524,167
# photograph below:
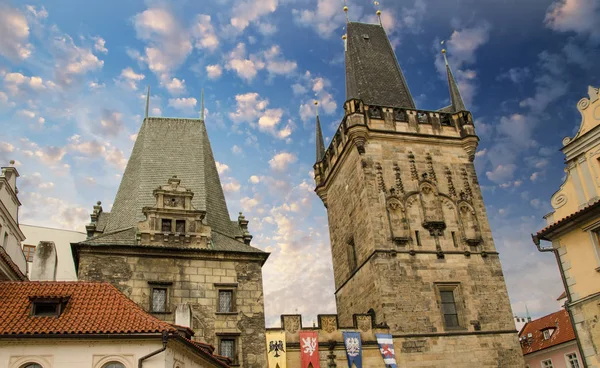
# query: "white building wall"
65,269
10,235
82,353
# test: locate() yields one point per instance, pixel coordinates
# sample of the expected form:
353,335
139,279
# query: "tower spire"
319,136
455,97
147,102
202,105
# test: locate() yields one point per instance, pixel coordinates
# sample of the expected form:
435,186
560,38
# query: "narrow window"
225,301
418,238
547,363
28,251
454,239
352,255
180,226
572,360
449,308
5,242
159,300
166,226
227,348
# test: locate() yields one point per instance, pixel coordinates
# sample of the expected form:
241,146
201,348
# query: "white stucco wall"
82,353
9,222
62,240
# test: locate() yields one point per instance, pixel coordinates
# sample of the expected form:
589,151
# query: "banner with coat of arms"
309,349
386,346
276,356
353,349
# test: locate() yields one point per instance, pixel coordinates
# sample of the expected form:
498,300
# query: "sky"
73,78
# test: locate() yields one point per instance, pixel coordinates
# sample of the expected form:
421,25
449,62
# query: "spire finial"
378,12
317,107
202,105
346,11
147,102
455,97
319,136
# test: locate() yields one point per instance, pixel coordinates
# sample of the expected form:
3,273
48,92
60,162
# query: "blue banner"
386,346
353,349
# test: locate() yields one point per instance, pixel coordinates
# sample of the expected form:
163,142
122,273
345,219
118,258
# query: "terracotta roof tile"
11,264
92,308
563,332
542,233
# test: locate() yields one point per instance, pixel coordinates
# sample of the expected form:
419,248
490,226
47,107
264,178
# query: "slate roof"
92,308
372,71
166,147
455,97
563,332
319,141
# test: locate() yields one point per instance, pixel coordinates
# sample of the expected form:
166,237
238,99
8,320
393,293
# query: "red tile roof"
6,258
563,332
92,308
542,233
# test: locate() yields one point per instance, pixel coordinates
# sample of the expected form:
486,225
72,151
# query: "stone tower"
410,239
170,245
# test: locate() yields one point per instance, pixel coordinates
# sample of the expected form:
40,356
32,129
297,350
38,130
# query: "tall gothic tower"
410,239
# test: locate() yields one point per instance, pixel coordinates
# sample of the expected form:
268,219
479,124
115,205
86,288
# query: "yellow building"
574,228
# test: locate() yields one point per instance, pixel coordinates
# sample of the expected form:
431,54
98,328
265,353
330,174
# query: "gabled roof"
589,209
5,258
563,332
372,71
167,147
92,308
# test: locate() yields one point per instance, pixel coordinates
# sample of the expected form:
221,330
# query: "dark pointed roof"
319,141
372,71
456,99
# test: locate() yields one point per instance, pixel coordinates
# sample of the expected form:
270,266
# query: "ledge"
227,313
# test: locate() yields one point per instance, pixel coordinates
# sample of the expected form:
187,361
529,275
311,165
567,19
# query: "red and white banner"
309,348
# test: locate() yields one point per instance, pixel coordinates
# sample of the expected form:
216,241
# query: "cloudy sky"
73,76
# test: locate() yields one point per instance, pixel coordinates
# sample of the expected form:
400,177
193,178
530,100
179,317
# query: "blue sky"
73,76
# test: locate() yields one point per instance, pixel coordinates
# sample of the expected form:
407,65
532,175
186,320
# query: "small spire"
378,12
202,105
147,103
455,97
319,136
528,316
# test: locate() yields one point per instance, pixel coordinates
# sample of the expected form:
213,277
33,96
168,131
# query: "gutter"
165,338
536,241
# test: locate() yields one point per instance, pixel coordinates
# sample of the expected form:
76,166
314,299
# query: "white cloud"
130,79
72,61
534,176
95,85
247,11
176,86
17,83
26,113
282,160
214,71
204,33
325,19
501,173
245,68
14,29
231,186
275,63
266,29
40,13
221,168
515,75
99,44
579,16
183,103
252,109
236,149
111,123
254,179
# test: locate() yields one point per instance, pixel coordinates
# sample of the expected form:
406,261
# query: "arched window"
31,365
113,365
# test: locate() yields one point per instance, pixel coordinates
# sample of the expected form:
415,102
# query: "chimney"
44,262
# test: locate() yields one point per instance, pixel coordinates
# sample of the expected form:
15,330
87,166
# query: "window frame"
235,337
352,256
163,221
542,363
166,285
569,360
454,287
226,287
29,253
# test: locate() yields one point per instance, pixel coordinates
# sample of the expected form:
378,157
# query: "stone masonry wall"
195,282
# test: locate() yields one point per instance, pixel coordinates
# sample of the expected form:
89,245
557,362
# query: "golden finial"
317,107
343,37
444,51
346,11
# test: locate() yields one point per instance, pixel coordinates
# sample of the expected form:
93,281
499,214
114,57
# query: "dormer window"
166,225
42,307
548,333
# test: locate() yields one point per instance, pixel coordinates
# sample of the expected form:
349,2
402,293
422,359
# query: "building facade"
13,265
574,225
409,233
61,325
549,342
169,243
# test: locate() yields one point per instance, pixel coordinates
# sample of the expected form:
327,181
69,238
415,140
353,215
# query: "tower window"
180,226
225,301
418,238
227,348
449,308
159,300
352,262
454,239
166,225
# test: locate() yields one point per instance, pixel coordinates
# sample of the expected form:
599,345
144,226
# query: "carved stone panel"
328,323
398,223
468,219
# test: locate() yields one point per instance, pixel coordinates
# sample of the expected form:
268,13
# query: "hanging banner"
276,349
309,348
386,346
353,349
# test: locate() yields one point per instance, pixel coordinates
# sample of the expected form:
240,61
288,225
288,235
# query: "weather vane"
444,51
378,12
317,107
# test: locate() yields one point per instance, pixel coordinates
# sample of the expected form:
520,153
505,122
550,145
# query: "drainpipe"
165,338
536,241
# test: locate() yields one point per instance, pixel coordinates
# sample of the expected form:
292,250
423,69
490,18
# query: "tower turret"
319,137
455,97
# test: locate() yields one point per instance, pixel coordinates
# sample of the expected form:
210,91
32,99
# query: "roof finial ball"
346,11
12,162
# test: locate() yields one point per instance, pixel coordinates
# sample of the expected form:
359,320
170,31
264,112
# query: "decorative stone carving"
470,225
413,166
451,188
559,201
433,219
363,323
468,193
399,185
291,323
380,181
398,223
430,168
329,323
